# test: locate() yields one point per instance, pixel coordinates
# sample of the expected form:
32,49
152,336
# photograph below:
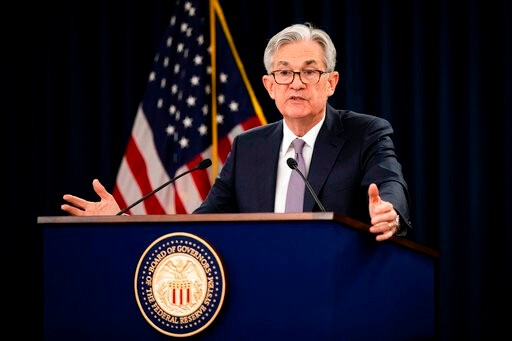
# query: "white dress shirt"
286,151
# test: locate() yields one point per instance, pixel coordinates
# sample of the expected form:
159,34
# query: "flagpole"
219,15
213,45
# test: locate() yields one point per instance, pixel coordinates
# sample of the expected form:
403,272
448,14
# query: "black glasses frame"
320,73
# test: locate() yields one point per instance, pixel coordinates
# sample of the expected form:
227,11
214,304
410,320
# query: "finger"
71,210
75,201
384,236
373,194
379,227
384,230
100,189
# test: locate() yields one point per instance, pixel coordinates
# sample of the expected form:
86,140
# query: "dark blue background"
440,71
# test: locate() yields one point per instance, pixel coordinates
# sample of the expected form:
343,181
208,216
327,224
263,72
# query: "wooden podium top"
231,217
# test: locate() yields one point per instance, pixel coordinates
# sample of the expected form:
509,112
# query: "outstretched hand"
80,207
383,215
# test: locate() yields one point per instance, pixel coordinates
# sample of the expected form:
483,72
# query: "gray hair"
297,33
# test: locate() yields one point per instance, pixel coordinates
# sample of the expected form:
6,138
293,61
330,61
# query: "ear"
269,84
334,77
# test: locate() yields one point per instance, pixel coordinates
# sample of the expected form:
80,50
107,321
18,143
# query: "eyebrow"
306,63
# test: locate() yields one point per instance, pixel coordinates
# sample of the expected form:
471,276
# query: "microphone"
292,163
203,164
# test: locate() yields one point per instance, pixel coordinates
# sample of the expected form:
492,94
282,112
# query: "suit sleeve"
381,166
221,198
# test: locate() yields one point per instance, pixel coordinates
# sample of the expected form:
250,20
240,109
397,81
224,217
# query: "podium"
289,276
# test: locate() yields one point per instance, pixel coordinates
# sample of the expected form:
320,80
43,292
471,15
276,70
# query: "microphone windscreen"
204,164
291,163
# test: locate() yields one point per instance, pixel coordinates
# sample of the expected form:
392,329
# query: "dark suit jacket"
351,151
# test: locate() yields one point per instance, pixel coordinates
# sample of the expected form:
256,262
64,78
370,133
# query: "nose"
296,78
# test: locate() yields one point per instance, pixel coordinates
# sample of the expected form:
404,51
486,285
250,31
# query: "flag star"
177,68
223,77
198,60
172,109
166,61
191,101
183,142
170,130
220,118
204,109
200,40
183,27
174,89
163,81
233,106
221,99
203,130
160,103
152,76
195,80
187,122
169,41
180,47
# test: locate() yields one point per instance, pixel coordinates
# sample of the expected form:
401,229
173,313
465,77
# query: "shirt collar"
309,137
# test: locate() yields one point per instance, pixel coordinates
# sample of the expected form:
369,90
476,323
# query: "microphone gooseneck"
292,163
203,164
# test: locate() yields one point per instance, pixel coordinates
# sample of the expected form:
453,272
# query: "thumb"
100,189
373,194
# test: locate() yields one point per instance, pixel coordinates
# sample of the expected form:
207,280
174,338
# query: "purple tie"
296,186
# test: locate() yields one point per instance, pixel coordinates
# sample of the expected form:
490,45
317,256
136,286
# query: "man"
350,159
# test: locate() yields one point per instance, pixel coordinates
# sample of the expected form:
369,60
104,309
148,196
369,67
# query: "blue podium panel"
294,279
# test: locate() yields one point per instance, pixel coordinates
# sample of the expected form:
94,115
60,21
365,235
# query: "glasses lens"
306,76
284,76
309,76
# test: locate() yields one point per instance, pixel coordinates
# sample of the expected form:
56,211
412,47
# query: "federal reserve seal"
180,284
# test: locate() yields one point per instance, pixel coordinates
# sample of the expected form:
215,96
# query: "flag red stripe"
180,209
137,165
201,179
251,122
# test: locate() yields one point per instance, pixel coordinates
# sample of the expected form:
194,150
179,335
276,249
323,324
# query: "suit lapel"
268,157
328,145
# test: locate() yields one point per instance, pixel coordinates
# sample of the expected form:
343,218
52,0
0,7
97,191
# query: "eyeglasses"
285,77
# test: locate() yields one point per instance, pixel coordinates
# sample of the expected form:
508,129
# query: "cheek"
326,91
277,93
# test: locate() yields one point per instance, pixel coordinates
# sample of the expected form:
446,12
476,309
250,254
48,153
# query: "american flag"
177,124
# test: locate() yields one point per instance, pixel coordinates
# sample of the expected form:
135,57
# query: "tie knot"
297,145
